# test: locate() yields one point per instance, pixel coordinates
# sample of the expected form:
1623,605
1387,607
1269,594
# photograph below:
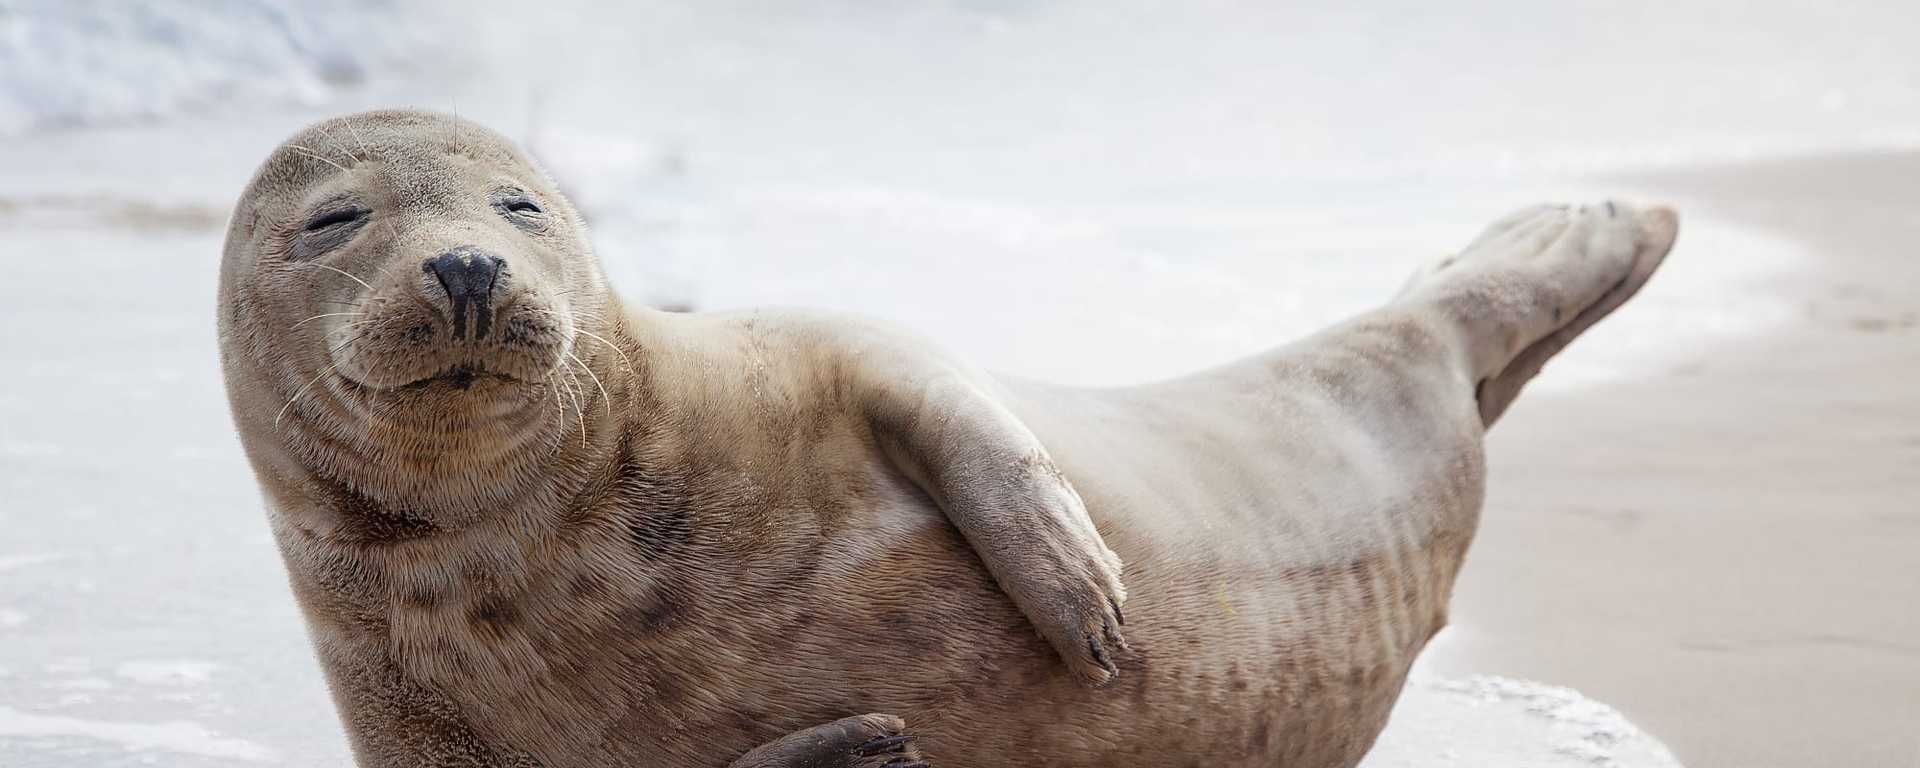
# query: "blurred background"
1706,514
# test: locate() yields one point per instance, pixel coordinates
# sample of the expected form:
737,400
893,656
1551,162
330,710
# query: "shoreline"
1723,548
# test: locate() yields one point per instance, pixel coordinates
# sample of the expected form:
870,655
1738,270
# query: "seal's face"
398,277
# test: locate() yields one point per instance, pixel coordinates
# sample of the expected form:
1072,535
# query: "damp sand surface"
1724,545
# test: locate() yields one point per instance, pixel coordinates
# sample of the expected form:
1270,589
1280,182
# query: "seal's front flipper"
862,741
992,478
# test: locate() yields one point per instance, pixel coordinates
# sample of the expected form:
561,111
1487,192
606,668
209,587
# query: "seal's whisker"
392,264
356,138
553,387
327,314
605,399
342,345
317,156
303,390
610,345
459,142
589,334
376,322
357,335
573,379
341,271
336,144
573,394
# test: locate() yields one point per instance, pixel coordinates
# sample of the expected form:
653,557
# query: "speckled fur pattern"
782,538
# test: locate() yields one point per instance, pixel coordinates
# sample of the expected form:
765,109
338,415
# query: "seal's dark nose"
468,274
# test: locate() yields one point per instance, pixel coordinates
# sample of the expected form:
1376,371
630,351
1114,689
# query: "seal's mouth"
405,346
461,377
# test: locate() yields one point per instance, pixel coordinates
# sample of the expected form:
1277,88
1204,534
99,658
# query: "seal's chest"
482,641
511,646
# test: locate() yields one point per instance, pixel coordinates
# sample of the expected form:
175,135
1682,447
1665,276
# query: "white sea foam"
177,736
65,64
79,684
167,672
1483,721
26,559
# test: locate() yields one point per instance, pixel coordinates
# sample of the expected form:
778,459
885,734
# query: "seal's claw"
862,741
884,744
1087,638
891,748
1100,655
890,752
1113,637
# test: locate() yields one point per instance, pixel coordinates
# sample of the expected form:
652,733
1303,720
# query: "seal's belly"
1282,579
1246,649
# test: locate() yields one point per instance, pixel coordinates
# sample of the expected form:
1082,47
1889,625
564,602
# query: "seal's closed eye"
520,208
329,229
335,217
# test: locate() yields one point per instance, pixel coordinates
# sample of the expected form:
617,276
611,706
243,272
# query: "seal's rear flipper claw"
883,744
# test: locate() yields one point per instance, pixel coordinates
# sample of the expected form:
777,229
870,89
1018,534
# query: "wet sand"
1728,548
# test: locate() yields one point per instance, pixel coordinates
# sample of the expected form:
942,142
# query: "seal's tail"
1537,279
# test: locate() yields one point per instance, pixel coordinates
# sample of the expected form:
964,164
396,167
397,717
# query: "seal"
530,525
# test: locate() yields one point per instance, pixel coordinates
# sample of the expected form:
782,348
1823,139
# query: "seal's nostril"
468,275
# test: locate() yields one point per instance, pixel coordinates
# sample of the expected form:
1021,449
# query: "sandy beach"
1726,548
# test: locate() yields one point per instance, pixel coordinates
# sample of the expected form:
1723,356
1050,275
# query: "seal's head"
405,289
